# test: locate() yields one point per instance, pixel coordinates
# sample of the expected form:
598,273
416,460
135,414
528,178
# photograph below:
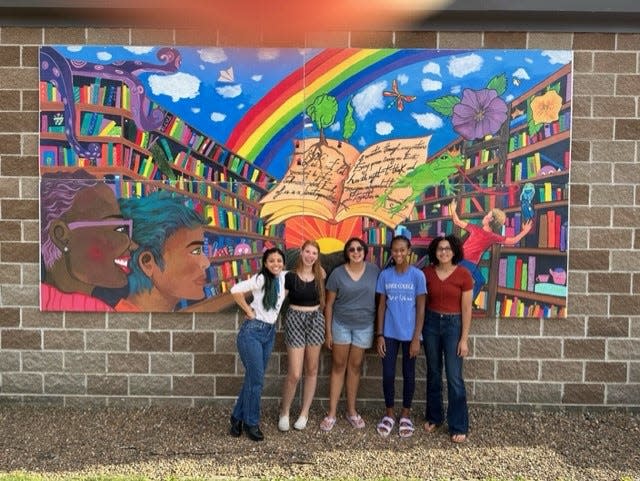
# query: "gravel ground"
162,442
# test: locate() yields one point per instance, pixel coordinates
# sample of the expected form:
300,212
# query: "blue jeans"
255,342
441,334
389,372
478,278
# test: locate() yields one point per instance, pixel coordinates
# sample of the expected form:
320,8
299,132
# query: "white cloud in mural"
201,67
240,106
432,68
428,121
384,128
403,79
268,54
456,89
256,78
212,55
509,98
461,66
558,56
74,48
104,56
195,110
139,50
498,58
528,60
521,74
362,142
429,85
335,127
177,86
369,99
229,91
217,117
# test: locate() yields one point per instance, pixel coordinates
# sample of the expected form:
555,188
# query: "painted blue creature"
527,196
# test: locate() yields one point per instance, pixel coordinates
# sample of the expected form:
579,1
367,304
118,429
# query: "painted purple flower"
479,113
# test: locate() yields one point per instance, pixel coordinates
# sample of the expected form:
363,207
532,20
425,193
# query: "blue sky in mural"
216,88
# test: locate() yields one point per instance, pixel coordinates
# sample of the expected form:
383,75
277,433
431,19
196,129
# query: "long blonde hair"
318,272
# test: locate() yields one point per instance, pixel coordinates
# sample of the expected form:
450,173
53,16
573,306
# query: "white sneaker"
301,423
283,423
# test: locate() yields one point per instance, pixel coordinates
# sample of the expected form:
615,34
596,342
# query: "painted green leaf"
555,87
444,105
533,127
498,83
161,161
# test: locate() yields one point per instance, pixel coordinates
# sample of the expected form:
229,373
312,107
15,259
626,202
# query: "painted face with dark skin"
183,275
99,245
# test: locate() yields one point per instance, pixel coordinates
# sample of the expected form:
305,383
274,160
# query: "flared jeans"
255,343
440,336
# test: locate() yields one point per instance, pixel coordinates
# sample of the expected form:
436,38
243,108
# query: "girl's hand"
251,314
414,348
463,349
381,346
328,341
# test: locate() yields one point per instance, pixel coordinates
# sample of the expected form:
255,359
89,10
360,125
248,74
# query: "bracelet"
379,335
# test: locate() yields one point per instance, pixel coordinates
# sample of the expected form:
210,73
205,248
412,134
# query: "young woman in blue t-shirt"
399,320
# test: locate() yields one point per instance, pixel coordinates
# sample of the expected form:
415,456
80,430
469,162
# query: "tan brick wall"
591,358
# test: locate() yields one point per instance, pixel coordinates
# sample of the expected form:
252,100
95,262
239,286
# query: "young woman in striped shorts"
304,331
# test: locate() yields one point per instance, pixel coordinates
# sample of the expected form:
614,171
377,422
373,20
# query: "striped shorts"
303,328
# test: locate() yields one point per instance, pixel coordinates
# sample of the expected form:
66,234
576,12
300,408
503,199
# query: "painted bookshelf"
174,157
527,279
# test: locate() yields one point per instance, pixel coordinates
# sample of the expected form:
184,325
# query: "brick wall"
591,358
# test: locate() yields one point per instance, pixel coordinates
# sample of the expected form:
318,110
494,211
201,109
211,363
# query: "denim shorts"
361,337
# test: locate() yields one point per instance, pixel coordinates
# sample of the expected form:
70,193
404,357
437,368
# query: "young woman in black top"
304,331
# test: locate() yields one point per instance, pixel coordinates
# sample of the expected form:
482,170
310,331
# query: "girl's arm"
414,348
240,290
379,330
454,215
328,317
241,300
465,309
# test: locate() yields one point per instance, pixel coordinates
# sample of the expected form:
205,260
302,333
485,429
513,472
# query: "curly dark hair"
456,248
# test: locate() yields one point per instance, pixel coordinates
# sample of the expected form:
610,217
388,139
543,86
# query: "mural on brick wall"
166,172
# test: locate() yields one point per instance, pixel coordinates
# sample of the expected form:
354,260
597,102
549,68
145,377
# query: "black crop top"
301,293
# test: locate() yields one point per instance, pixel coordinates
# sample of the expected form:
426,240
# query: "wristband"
379,335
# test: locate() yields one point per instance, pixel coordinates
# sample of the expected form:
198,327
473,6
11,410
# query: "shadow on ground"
162,442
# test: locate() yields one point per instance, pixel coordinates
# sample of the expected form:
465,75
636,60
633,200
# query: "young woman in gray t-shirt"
349,320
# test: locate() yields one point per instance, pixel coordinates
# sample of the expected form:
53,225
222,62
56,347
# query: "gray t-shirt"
355,303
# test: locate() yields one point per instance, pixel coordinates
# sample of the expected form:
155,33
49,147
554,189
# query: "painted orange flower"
545,108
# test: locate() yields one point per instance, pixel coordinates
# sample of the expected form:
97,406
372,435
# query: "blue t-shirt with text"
401,290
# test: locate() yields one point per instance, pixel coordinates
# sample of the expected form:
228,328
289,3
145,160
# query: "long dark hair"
271,284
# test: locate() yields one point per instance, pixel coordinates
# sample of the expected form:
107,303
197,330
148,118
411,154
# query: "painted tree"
322,111
349,123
